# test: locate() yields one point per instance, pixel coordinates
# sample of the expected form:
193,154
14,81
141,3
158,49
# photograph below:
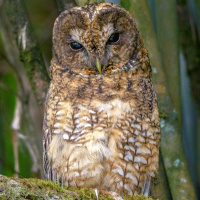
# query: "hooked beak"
98,65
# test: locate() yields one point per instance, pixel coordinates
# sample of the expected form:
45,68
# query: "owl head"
95,39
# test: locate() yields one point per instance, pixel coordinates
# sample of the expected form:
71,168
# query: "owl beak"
98,65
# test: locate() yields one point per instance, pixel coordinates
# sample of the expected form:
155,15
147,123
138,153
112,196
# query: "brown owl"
101,122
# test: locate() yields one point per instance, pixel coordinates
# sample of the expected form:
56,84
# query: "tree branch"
15,188
14,13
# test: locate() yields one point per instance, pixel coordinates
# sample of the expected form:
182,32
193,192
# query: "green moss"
13,188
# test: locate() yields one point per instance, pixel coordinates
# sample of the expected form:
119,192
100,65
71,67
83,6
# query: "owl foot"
97,193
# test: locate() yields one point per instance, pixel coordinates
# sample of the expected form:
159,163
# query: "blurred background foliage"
171,33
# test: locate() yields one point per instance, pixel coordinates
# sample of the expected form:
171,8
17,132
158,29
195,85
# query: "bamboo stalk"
171,142
191,49
168,45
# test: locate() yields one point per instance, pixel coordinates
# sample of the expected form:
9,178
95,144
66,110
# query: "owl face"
95,39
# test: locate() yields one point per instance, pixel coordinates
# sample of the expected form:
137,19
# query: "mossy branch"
32,188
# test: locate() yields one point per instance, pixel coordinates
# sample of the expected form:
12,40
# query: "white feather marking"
118,124
128,156
153,118
84,172
103,125
84,75
139,150
131,139
145,127
126,131
138,127
152,174
67,129
149,133
143,133
143,150
57,125
132,148
65,136
76,115
60,112
81,108
83,131
157,131
57,131
132,177
124,127
126,147
73,137
87,125
141,139
86,118
79,145
118,170
136,166
127,187
119,184
137,144
78,130
147,120
100,128
59,117
74,174
92,112
80,125
147,151
140,159
136,132
152,142
77,121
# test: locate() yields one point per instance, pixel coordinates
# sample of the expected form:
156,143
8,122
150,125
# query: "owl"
101,123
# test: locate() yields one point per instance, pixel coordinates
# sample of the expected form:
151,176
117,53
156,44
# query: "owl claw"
97,193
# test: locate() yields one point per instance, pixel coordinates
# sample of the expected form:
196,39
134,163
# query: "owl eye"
76,46
113,38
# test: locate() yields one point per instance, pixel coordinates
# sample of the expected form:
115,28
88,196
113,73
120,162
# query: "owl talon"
97,193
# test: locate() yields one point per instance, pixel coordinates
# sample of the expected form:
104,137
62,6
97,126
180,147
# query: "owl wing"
47,137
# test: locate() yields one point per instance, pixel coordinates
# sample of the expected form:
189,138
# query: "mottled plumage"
101,126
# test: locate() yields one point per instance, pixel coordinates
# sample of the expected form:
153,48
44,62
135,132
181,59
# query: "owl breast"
106,136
